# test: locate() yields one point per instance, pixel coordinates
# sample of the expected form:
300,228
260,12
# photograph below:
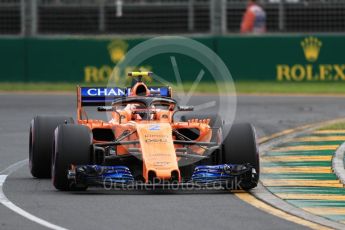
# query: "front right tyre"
72,146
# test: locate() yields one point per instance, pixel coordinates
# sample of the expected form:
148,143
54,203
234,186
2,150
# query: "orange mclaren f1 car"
141,143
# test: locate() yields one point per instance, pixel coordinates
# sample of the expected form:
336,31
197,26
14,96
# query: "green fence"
251,58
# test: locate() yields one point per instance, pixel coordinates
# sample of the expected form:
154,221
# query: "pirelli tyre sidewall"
239,147
72,145
41,142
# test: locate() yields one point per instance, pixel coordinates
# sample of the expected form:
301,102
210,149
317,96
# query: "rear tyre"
72,145
239,147
41,142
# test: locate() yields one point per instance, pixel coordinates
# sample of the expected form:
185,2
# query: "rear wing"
100,96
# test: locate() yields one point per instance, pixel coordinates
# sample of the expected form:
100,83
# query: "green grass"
336,126
241,87
291,87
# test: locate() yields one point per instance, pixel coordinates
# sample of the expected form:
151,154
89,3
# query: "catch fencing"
214,17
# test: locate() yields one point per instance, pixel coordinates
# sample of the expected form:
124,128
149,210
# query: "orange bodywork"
155,137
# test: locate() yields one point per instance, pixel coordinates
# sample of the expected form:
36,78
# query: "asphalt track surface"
97,209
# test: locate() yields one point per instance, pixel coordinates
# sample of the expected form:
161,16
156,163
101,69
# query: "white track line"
7,203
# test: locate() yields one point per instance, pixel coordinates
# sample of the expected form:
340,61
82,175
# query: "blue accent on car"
218,173
161,91
96,96
154,127
97,173
102,92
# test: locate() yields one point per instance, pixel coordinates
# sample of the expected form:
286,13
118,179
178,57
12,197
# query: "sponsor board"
311,70
106,73
282,58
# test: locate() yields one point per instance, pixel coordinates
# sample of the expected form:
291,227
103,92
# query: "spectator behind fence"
254,19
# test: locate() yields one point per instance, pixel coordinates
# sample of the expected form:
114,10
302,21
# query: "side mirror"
185,108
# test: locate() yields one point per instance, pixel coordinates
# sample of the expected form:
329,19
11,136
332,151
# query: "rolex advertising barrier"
295,58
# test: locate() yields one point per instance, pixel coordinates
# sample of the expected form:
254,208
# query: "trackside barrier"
298,58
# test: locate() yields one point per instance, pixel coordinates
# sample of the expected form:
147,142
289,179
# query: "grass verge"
250,87
336,126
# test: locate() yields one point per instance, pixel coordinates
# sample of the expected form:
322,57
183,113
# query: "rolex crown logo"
311,48
117,50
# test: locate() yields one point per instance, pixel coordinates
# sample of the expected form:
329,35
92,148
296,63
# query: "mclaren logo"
311,70
311,48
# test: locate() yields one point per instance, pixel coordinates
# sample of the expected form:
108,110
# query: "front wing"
229,176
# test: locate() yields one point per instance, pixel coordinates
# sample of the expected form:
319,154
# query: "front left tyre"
239,147
41,142
72,146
